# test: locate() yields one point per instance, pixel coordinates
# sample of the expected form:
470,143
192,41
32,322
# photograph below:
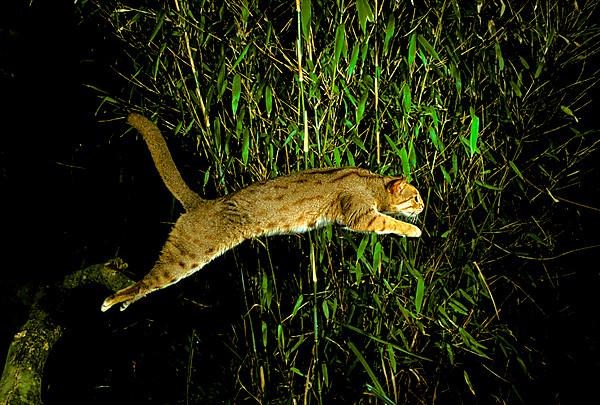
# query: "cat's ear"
395,186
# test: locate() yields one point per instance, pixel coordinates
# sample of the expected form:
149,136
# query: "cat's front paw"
413,232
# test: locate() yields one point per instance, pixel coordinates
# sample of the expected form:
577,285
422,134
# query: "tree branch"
21,379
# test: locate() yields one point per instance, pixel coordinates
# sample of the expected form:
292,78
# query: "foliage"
477,103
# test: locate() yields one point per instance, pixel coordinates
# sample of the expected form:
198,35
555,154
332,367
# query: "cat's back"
314,184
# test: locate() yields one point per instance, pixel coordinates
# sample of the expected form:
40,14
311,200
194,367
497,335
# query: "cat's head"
403,198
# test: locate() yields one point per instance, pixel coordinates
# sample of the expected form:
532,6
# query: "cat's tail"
164,161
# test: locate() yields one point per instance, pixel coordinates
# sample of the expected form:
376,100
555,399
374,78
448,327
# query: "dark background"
74,192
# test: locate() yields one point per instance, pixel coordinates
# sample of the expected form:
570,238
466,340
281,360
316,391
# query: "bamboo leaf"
488,186
419,295
361,248
515,169
365,365
306,12
296,371
412,50
365,13
446,175
405,164
241,57
468,382
268,99
221,81
325,309
568,111
437,143
377,255
391,357
161,20
337,157
297,305
406,98
360,109
392,145
280,337
265,332
340,43
236,91
428,47
499,56
389,33
474,134
245,146
353,59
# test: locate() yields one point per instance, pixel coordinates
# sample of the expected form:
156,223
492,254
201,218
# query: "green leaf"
161,20
499,56
360,109
568,111
365,13
357,273
412,155
391,357
437,143
280,337
340,44
325,309
297,305
419,294
455,73
472,344
538,70
377,256
306,12
353,59
350,158
361,248
406,98
365,365
267,295
389,33
412,50
474,134
241,57
446,175
236,91
221,82
405,164
337,157
268,99
515,169
359,143
468,382
296,371
488,186
245,146
392,145
265,333
428,47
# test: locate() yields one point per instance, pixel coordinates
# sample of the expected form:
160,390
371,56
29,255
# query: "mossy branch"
21,380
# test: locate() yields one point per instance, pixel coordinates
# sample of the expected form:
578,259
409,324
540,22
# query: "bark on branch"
21,379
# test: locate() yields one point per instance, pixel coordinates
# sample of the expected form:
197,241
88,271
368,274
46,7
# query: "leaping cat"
353,197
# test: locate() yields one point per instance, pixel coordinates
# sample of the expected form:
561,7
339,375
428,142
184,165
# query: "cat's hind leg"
159,277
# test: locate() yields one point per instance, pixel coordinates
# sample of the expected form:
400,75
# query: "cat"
353,197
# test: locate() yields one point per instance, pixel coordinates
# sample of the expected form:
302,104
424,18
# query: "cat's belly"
296,227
